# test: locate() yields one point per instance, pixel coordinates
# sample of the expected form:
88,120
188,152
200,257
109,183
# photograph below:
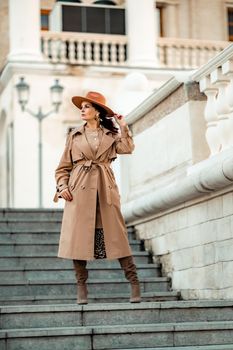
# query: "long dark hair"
105,119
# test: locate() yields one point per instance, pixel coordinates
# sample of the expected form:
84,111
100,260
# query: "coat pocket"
75,178
115,195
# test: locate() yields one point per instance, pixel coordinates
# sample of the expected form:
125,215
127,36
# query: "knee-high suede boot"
81,274
129,267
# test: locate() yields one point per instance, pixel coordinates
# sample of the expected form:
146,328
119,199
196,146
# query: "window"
93,19
104,2
44,19
159,20
230,23
77,1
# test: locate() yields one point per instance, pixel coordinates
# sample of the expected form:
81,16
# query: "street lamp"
23,90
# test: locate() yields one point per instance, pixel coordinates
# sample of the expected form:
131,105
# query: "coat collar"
80,130
106,142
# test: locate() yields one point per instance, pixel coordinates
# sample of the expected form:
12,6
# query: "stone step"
44,259
40,238
42,316
33,214
118,337
21,226
21,272
45,263
7,249
47,229
93,298
97,286
204,347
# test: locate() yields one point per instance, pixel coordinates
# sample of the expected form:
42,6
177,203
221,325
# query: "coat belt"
87,165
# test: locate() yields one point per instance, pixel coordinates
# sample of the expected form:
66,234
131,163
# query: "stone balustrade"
179,199
82,48
216,82
187,53
98,49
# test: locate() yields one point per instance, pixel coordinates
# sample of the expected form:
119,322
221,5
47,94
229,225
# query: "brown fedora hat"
93,97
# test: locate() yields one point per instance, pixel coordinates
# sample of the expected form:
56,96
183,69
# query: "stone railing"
216,82
82,48
97,49
187,53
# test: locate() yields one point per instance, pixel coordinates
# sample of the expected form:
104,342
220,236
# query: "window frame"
44,12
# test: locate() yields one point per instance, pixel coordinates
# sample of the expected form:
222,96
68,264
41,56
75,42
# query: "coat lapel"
82,142
106,142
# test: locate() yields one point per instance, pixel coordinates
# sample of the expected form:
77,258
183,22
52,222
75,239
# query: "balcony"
111,50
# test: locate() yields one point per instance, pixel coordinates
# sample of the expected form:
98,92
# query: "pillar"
141,32
24,30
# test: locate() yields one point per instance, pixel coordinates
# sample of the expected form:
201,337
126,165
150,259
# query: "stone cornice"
29,67
212,175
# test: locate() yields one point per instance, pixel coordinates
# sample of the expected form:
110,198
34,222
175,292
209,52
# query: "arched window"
70,1
104,2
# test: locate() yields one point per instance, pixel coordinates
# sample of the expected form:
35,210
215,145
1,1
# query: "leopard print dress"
93,137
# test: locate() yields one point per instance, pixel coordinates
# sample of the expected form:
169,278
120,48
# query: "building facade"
169,70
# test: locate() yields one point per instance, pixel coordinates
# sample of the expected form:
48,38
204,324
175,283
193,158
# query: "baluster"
194,56
46,48
97,56
211,117
222,108
71,51
202,59
80,52
186,63
88,53
169,56
175,56
113,55
54,45
121,53
229,92
161,55
227,71
179,54
105,53
63,58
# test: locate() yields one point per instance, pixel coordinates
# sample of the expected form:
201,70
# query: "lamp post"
23,90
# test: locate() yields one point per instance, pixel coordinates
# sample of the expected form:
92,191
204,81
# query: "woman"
92,225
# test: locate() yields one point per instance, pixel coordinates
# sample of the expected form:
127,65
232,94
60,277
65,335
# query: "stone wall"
195,245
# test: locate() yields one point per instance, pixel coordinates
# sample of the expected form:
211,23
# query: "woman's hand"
65,194
119,119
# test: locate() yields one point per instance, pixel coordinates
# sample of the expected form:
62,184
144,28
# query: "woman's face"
88,112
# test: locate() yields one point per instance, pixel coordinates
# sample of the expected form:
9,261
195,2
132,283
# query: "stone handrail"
99,49
215,174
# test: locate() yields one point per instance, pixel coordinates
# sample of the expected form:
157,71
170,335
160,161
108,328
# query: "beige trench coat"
85,174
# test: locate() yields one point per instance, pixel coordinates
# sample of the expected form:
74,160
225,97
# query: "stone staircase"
38,298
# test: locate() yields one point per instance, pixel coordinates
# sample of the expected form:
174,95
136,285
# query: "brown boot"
129,267
81,276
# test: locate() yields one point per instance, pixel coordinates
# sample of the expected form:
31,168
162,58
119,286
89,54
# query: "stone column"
141,32
24,30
